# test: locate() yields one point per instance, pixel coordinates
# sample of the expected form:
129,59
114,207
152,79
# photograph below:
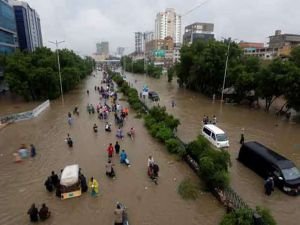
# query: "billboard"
159,53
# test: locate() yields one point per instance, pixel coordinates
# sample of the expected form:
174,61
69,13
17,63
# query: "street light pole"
58,65
225,72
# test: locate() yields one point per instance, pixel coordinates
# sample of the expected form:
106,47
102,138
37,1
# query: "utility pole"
58,65
225,72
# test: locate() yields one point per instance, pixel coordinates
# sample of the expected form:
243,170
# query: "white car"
215,135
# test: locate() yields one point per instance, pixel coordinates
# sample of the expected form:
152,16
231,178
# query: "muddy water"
10,104
259,126
22,184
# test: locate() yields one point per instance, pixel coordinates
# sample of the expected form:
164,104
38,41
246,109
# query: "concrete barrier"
36,111
24,115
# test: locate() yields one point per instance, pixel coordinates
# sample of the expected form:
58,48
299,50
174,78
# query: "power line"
196,7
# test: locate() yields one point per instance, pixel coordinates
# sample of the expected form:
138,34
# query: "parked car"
266,162
153,96
215,135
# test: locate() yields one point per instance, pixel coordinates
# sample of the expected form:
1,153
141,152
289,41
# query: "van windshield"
221,137
291,173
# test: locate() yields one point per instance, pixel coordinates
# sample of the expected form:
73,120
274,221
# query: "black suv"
153,96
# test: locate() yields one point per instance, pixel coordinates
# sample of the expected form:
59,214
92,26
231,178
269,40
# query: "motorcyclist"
153,170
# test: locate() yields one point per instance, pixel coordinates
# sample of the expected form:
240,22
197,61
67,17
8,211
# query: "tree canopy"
202,67
35,75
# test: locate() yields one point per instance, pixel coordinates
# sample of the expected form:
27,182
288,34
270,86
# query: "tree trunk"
281,109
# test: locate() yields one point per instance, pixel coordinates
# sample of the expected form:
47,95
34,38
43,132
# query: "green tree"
271,81
202,65
171,73
35,75
292,93
295,55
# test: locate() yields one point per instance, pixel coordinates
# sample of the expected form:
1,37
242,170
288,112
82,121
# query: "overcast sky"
83,23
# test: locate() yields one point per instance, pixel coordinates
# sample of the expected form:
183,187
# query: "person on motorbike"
153,172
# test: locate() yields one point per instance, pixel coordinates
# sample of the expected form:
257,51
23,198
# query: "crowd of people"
207,120
108,104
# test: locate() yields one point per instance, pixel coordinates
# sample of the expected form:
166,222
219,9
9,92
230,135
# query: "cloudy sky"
82,23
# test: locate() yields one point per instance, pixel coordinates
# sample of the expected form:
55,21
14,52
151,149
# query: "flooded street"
272,131
22,184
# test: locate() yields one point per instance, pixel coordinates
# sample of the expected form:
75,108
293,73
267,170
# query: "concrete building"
258,49
198,30
28,26
280,45
149,36
176,54
103,48
262,53
8,30
139,42
280,40
160,52
168,23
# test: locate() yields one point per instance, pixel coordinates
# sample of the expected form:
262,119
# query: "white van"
215,135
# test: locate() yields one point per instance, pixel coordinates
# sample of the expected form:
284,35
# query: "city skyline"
66,20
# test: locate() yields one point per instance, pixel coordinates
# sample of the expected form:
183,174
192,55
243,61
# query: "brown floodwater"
275,132
23,183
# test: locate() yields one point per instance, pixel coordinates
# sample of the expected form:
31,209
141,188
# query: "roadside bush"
149,121
154,129
196,148
266,215
188,189
213,163
244,216
174,146
164,133
131,93
241,216
137,106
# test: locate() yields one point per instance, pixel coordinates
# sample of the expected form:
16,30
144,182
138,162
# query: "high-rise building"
139,42
120,51
168,23
149,36
28,26
8,30
103,48
196,31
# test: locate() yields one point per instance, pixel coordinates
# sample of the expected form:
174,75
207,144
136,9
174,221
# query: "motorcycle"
153,173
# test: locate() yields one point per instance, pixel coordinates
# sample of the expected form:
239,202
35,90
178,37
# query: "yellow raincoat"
94,186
